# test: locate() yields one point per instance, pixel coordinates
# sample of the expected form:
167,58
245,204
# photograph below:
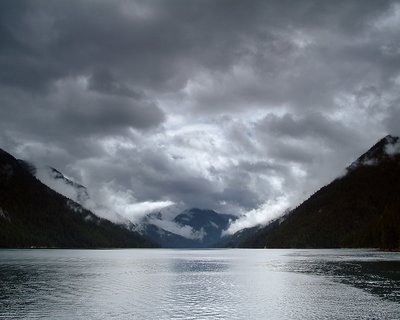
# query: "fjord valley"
360,209
202,159
33,215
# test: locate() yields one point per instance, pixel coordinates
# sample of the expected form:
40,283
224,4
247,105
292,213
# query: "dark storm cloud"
309,125
103,81
148,43
393,119
160,44
74,112
107,113
232,105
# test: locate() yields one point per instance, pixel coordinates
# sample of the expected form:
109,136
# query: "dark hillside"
361,209
33,215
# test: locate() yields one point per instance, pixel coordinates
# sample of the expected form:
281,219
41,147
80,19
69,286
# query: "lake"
199,284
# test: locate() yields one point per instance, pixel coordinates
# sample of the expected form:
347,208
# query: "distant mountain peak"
197,211
200,217
152,216
193,228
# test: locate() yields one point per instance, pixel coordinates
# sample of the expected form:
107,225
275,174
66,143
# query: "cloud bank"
241,107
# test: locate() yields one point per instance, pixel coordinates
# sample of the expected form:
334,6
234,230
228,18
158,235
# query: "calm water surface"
199,284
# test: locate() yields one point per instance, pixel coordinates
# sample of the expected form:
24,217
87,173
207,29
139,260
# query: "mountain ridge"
34,215
360,209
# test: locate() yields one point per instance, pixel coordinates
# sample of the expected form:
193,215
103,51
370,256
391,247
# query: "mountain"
33,215
153,227
82,194
360,209
208,224
55,180
235,240
193,228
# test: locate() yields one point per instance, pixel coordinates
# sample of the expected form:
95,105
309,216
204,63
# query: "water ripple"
198,284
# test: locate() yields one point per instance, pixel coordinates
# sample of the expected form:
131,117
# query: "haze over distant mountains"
359,209
34,215
192,228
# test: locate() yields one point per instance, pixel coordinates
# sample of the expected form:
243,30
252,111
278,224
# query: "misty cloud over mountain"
241,107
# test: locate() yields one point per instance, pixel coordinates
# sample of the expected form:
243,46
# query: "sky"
244,107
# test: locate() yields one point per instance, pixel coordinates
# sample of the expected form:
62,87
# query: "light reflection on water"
199,284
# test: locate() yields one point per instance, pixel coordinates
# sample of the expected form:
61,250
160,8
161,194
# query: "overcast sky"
245,107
